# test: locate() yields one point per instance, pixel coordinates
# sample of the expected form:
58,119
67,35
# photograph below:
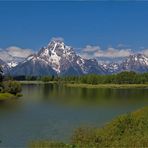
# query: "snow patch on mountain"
12,64
62,59
59,59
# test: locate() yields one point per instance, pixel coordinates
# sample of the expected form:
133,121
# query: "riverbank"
129,130
37,82
119,86
122,86
7,96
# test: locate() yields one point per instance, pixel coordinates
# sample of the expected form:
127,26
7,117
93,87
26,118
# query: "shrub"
12,87
46,79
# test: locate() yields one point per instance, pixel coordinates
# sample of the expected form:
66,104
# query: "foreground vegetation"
9,89
6,96
129,130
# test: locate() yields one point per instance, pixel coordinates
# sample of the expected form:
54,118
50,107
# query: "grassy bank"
6,96
36,82
108,85
129,130
88,85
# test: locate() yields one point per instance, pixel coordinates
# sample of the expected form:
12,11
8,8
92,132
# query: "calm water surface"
53,112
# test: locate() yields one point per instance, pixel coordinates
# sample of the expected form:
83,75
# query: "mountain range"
59,59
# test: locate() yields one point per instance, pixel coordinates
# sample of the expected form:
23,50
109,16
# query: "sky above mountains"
94,29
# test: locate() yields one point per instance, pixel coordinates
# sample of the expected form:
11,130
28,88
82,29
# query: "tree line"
120,78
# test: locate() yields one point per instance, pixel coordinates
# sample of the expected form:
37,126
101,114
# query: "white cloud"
145,52
86,55
142,47
113,53
18,52
96,52
14,52
120,46
57,39
90,48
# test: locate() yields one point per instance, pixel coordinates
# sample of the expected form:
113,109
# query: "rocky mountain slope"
60,59
57,59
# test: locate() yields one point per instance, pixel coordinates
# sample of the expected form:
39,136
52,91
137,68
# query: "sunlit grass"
89,85
36,82
130,130
6,96
108,85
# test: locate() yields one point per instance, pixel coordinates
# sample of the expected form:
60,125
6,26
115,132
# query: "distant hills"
60,59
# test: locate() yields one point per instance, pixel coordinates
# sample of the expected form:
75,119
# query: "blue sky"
102,24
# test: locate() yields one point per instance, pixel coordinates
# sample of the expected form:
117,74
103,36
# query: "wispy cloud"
145,52
58,39
113,53
121,46
14,52
90,48
96,52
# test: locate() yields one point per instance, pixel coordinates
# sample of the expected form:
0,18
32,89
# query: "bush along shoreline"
10,90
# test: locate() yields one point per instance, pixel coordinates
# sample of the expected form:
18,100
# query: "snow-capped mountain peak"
62,59
137,62
59,59
55,52
60,48
56,44
138,58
